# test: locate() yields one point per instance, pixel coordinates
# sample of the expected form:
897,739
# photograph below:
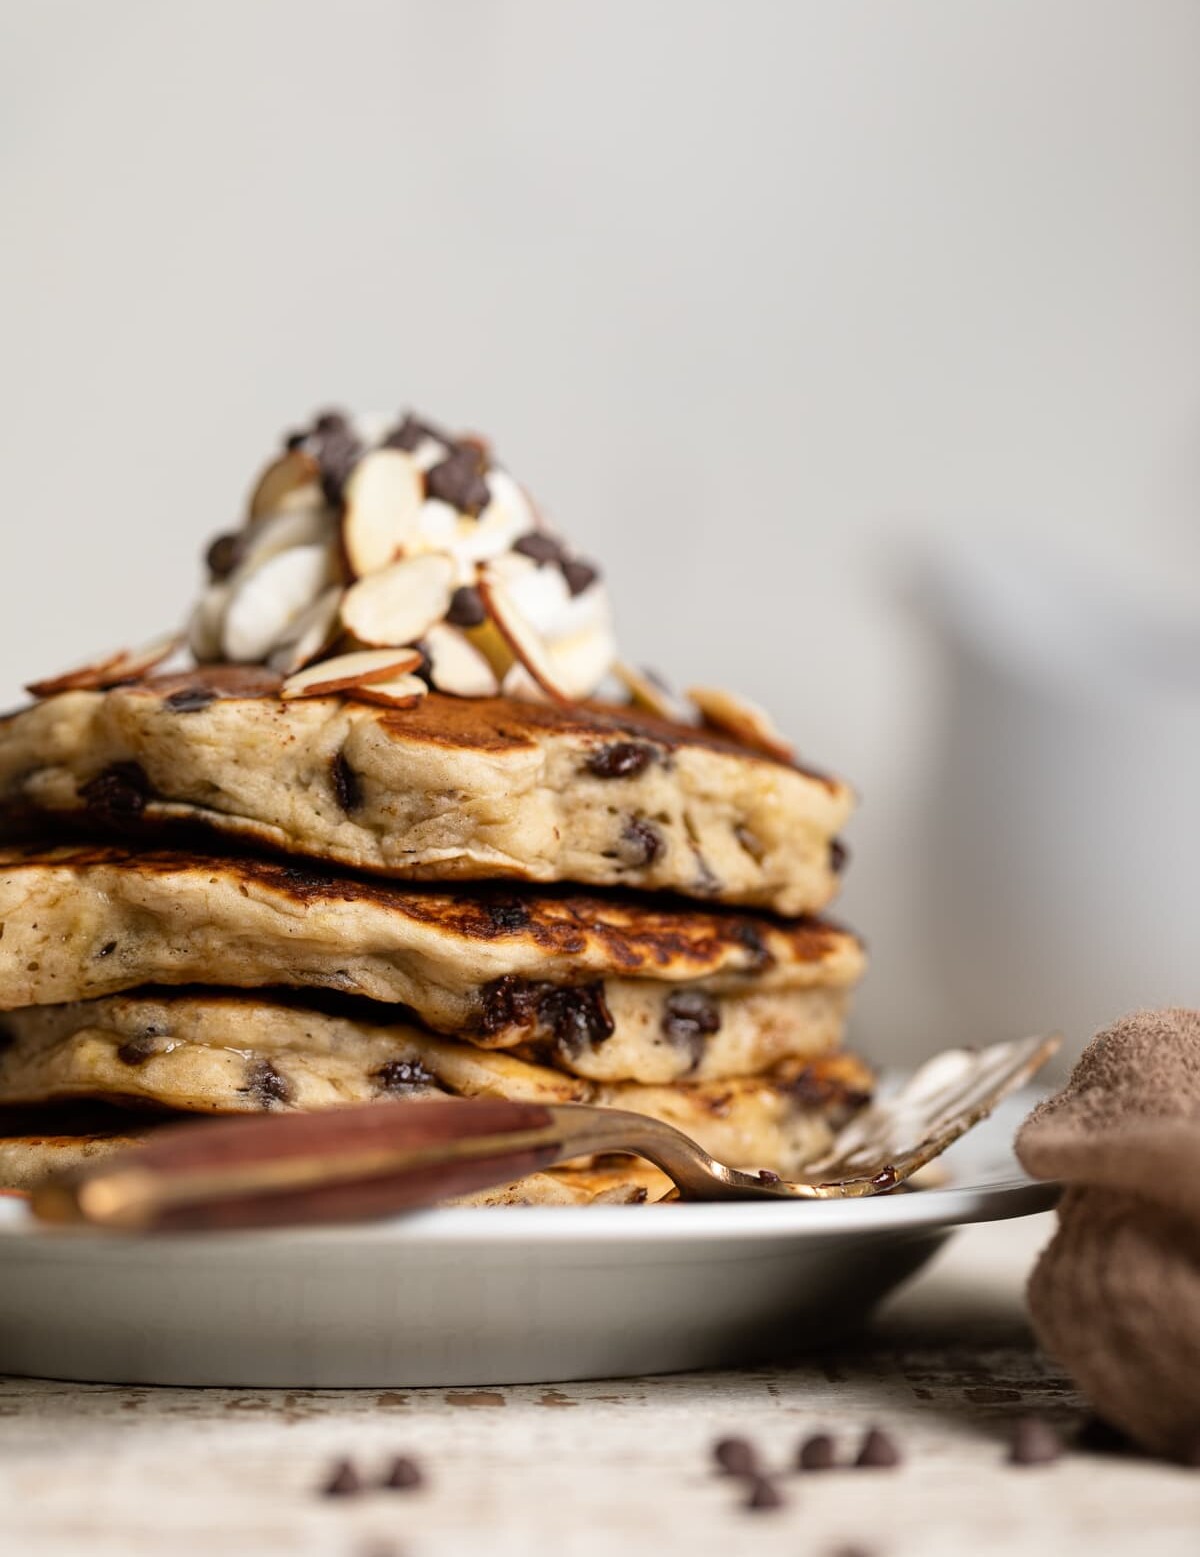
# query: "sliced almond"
456,665
311,634
745,721
265,603
645,692
266,538
109,670
291,474
521,638
350,672
403,692
402,602
381,509
582,661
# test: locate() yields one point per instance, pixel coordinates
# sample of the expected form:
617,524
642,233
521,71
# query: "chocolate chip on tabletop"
762,1494
736,1456
403,1475
878,1451
343,1481
816,1453
1034,1442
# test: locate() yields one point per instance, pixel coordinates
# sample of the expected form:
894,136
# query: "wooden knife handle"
341,1164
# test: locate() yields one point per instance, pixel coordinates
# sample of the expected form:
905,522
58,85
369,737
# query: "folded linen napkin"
1116,1295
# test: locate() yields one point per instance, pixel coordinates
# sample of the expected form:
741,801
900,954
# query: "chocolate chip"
578,1017
403,1474
403,1076
466,608
346,784
120,790
579,575
690,1013
736,1456
752,938
839,854
107,949
641,843
343,1481
337,450
884,1180
459,480
762,1493
412,432
189,700
1034,1443
223,555
509,1002
295,440
878,1452
768,1176
265,1085
620,759
816,1453
541,547
140,1048
507,915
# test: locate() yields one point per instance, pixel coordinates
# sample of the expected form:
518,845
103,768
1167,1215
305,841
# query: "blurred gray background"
769,303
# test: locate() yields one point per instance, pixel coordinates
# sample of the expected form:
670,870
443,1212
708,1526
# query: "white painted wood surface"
612,1467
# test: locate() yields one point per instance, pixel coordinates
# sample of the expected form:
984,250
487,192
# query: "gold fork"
350,1164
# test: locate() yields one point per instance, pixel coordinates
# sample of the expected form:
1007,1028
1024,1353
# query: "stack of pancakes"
223,899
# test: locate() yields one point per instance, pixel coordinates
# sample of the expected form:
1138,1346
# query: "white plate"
520,1295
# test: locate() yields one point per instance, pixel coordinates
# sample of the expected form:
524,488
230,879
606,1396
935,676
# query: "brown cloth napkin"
1116,1296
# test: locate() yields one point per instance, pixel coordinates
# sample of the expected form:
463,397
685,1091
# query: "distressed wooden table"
612,1467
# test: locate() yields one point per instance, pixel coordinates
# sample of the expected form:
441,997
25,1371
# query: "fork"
370,1160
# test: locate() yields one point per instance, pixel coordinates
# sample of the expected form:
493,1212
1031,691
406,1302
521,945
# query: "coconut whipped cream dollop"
381,558
377,550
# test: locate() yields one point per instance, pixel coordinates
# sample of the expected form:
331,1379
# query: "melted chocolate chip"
736,1456
751,937
620,759
466,608
223,555
641,843
459,480
509,1002
507,915
689,1014
541,547
107,949
265,1085
878,1451
189,700
346,783
579,575
120,790
403,1076
578,1017
412,432
141,1047
403,1474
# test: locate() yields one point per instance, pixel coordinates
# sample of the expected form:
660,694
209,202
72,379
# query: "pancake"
209,1052
556,972
453,789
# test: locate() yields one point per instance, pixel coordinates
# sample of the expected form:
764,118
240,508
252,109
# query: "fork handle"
339,1165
